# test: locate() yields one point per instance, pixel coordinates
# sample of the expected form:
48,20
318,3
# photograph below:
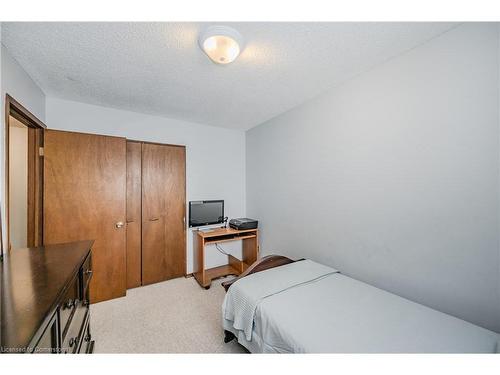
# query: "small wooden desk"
250,246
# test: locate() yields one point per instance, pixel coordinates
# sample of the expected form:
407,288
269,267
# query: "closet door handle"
154,219
119,224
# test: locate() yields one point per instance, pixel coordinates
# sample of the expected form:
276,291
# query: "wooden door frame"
22,114
185,194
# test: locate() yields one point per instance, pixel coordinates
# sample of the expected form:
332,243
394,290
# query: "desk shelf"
221,271
235,266
214,240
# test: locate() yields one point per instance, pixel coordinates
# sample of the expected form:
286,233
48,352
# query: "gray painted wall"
393,177
17,83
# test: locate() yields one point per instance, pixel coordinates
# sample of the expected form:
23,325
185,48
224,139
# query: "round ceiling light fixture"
221,43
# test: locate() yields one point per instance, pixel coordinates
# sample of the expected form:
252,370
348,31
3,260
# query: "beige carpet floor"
175,316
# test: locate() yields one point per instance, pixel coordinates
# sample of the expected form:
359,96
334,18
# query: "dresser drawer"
76,329
87,346
68,304
48,341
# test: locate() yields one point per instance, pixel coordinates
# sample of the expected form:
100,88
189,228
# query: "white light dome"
222,44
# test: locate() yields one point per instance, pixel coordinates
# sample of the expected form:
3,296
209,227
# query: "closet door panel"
163,212
84,198
134,214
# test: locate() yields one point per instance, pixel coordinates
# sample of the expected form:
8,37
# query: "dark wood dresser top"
32,282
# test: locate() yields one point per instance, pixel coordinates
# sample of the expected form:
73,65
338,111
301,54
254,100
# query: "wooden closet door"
163,212
134,214
84,198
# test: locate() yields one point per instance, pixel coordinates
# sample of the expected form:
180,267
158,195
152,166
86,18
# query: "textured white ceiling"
158,68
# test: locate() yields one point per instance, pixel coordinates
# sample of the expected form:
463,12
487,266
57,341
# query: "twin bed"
283,306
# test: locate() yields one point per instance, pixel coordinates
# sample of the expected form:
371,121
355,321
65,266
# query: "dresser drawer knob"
73,341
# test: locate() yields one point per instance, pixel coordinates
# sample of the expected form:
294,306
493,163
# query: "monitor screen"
206,212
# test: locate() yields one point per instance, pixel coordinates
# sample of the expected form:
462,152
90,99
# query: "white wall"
18,181
18,84
215,157
393,177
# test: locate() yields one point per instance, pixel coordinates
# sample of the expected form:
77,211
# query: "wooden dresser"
45,299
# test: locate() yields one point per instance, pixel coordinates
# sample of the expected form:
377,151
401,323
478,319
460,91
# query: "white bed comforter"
243,297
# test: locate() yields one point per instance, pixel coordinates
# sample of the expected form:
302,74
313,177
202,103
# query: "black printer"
243,223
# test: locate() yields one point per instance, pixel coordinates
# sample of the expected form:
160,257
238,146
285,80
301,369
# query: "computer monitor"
206,213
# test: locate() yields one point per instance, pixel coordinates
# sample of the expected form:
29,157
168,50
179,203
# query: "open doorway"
24,176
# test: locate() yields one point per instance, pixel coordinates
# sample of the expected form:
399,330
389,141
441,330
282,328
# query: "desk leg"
250,250
199,260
